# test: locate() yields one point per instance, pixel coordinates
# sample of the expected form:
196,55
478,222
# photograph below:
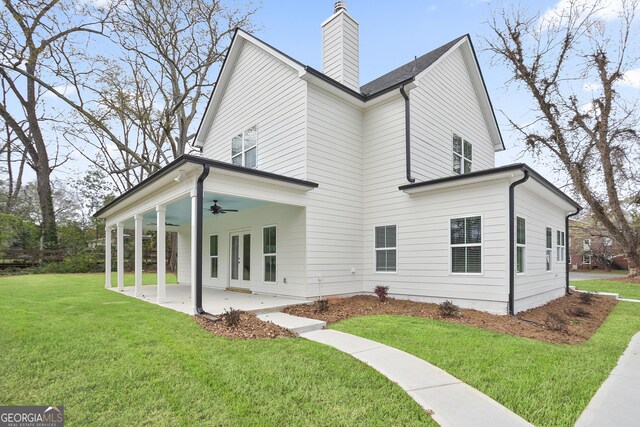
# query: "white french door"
240,256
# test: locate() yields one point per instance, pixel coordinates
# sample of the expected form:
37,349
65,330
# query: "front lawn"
547,384
625,289
114,360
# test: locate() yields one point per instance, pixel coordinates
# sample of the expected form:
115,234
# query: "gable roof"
407,71
390,81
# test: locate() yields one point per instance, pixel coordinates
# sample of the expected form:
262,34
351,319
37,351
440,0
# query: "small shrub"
586,297
382,292
322,306
579,312
231,317
556,322
448,309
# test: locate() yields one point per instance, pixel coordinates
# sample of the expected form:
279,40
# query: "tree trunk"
173,256
633,258
48,226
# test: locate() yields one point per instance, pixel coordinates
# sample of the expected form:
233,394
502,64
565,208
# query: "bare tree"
36,35
592,134
11,154
151,95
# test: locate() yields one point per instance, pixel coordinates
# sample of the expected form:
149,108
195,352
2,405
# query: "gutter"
512,242
200,208
566,242
407,132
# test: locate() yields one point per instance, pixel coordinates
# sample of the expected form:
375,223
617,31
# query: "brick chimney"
340,53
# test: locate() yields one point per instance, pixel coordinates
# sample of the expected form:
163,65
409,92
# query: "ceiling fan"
166,223
215,209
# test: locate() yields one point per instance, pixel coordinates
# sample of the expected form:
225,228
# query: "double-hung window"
244,148
549,247
521,240
386,248
462,155
586,259
560,245
466,245
269,253
213,255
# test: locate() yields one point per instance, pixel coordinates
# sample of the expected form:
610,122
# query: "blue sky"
393,33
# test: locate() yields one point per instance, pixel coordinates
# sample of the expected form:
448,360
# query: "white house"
340,187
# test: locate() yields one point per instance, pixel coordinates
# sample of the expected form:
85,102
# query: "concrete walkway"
449,401
617,401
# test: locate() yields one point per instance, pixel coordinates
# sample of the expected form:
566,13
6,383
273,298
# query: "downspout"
512,244
200,208
407,132
566,242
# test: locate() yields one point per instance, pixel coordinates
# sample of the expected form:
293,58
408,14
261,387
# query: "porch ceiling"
179,212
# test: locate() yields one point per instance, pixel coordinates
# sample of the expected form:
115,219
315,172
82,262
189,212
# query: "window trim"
521,245
583,257
462,156
375,250
216,256
548,249
264,255
244,150
481,244
563,247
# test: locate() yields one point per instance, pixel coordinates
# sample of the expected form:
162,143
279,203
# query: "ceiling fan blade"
229,210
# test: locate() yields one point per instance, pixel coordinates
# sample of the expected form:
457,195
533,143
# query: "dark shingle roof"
406,71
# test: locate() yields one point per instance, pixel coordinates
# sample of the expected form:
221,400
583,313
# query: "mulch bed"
557,321
249,327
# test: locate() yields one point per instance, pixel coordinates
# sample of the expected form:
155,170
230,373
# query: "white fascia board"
538,188
481,93
452,184
225,75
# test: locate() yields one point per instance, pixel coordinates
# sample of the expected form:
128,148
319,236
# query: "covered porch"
237,228
215,301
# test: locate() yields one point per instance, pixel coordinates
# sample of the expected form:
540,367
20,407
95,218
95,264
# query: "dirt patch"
563,320
249,327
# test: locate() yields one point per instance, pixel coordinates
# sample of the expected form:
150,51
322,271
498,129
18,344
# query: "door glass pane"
246,257
235,256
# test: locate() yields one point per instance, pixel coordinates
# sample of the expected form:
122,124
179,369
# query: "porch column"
137,219
107,257
162,253
194,249
120,254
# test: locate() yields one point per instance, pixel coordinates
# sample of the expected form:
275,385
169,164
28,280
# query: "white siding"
290,260
340,52
537,286
335,208
443,103
266,93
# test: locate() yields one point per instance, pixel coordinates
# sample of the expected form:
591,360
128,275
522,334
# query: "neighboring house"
340,187
592,248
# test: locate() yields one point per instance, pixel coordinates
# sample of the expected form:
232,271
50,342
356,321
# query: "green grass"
115,360
625,289
547,384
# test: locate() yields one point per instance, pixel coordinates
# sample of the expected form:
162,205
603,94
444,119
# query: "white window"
606,241
386,248
269,253
244,148
559,246
521,240
213,255
462,155
586,259
586,245
549,248
466,245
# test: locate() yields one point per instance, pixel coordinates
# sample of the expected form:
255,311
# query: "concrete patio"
214,301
